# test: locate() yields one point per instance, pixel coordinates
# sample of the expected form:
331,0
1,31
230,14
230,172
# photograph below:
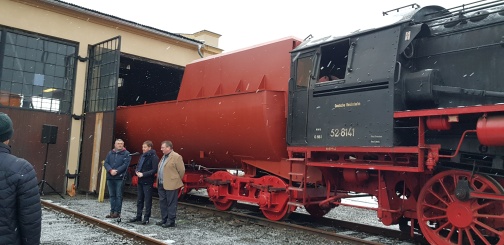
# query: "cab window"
304,70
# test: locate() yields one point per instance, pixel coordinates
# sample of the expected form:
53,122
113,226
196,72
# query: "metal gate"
100,108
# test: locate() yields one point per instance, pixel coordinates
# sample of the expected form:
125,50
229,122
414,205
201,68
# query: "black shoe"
135,219
160,223
145,222
166,225
113,215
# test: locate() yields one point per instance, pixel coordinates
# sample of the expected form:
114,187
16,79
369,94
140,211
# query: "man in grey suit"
170,173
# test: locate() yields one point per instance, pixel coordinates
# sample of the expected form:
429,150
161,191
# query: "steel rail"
203,203
380,231
336,223
103,224
267,222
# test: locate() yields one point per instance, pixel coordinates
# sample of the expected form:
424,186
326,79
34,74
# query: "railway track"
195,225
333,229
243,214
137,238
368,231
337,230
345,239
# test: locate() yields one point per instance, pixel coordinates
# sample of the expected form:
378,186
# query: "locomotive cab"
342,90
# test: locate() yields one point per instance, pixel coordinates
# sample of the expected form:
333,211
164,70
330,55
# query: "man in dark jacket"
145,170
116,164
20,209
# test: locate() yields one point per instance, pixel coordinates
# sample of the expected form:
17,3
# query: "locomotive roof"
414,16
439,20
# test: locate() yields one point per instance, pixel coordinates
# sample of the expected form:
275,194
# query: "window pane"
20,52
10,38
32,43
48,81
38,55
303,71
31,54
70,50
7,75
51,47
28,78
61,49
51,58
19,64
39,68
59,71
47,94
40,44
5,86
49,69
8,62
29,66
27,90
60,60
17,77
37,90
58,82
16,88
9,50
21,40
38,79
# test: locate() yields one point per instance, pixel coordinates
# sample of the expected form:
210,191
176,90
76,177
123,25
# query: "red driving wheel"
446,218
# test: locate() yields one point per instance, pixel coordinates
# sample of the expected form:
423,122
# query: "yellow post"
103,182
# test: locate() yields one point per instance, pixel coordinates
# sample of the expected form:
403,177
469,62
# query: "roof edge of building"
123,21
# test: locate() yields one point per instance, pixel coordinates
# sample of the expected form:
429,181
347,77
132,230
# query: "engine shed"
66,68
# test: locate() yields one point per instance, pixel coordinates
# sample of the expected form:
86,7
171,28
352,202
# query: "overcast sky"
246,23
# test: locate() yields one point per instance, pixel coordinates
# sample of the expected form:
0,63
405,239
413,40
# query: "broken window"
333,61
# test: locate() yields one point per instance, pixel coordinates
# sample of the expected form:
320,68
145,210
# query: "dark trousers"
115,189
144,196
168,204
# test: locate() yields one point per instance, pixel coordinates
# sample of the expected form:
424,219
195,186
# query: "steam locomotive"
411,113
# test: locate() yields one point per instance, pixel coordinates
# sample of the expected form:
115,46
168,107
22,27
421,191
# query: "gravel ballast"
192,227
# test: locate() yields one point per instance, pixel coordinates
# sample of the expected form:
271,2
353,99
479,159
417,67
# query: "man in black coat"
145,170
116,164
20,208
